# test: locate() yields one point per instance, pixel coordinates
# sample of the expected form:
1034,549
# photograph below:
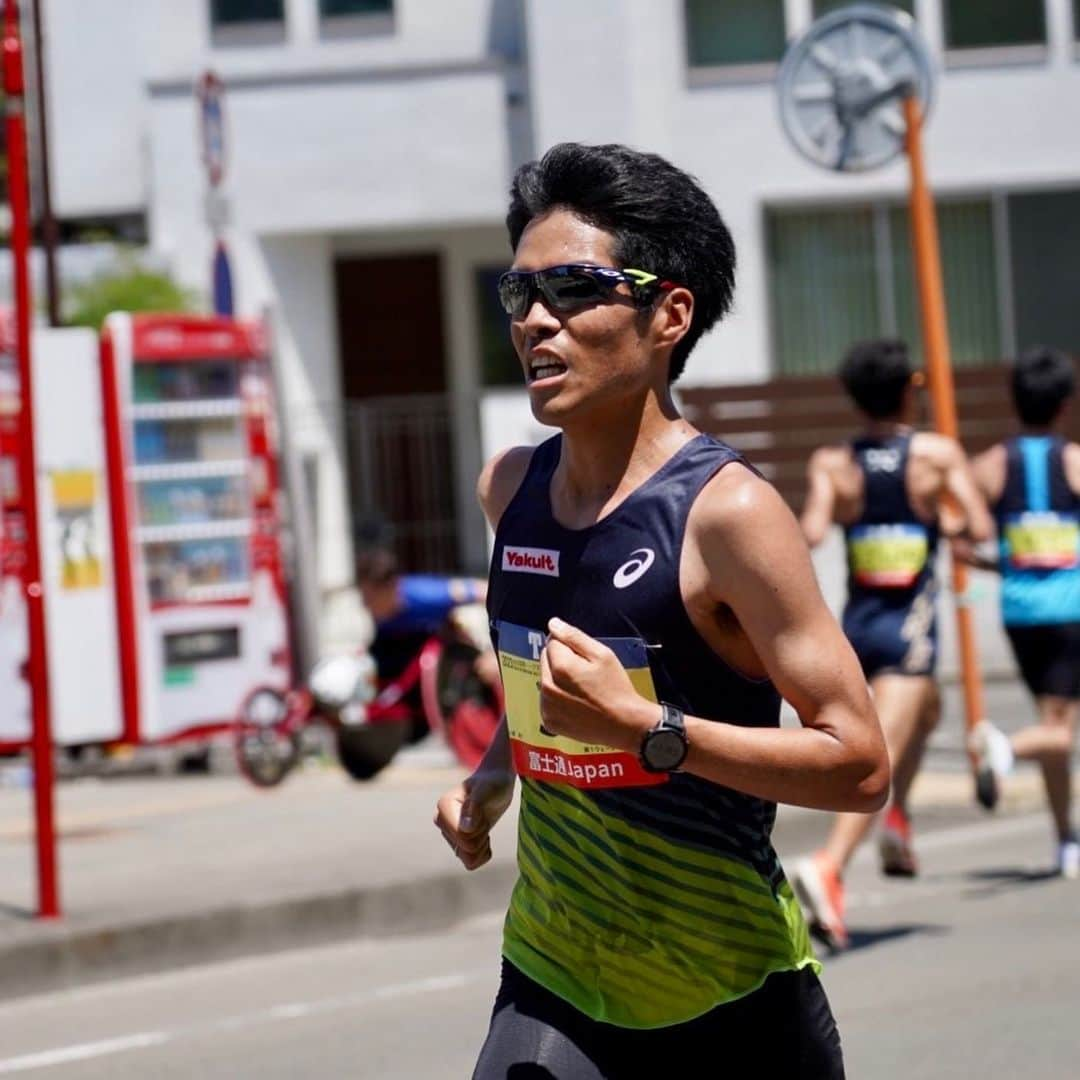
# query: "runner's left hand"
586,694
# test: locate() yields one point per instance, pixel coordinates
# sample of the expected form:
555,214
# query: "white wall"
422,33
97,111
992,126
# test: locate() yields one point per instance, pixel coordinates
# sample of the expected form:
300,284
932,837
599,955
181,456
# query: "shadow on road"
994,881
865,939
13,911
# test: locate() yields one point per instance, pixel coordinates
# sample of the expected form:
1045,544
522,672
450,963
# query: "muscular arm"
962,508
466,814
988,472
495,488
960,483
758,565
817,514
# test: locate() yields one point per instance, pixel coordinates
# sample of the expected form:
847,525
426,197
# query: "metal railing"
400,460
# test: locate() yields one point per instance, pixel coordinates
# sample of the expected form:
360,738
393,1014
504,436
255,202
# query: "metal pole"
50,234
931,289
19,196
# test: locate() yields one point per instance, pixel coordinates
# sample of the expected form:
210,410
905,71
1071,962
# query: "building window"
969,265
1044,237
730,33
992,24
355,18
840,275
823,7
824,294
499,362
330,8
240,12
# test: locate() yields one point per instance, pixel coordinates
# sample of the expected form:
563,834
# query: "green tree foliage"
126,287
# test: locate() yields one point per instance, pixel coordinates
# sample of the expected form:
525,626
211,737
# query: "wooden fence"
778,424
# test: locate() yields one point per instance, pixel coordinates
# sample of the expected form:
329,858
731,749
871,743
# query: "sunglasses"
574,285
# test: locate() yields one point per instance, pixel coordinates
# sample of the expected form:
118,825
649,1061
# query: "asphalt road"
969,971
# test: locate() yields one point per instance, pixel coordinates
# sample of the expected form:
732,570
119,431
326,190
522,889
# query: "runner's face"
596,354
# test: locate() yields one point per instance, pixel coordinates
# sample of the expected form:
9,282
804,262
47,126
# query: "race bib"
887,556
1046,541
557,759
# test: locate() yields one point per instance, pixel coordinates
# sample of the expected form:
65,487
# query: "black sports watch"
664,747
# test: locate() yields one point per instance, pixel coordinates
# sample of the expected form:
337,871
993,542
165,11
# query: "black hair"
375,566
659,217
875,374
1043,379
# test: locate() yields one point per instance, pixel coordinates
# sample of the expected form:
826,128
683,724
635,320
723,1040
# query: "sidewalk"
172,871
168,871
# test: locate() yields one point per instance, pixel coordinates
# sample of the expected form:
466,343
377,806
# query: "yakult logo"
531,561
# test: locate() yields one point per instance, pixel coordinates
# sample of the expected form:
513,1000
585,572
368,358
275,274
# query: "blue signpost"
211,96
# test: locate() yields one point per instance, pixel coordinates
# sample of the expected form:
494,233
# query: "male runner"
1032,482
638,562
887,489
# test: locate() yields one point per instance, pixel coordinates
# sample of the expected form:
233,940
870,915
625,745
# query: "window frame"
356,24
1017,55
880,206
249,32
756,71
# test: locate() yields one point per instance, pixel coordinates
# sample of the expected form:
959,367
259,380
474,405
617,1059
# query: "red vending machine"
196,516
14,630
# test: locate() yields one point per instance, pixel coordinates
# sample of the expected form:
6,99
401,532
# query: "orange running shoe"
894,845
818,886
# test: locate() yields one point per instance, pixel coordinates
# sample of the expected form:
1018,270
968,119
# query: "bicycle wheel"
266,749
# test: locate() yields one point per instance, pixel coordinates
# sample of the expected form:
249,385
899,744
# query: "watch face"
664,750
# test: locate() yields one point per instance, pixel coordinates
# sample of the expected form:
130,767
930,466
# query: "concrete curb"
64,957
43,958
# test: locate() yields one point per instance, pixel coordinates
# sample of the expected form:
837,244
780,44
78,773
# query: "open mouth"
545,369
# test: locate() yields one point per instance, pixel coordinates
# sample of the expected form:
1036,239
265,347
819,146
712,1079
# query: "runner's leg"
1049,742
903,704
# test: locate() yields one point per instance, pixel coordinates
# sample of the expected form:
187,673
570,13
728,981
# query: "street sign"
841,83
210,92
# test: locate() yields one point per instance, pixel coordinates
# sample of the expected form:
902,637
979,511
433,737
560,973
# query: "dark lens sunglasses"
574,285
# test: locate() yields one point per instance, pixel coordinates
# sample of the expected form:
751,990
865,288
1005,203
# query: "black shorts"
1048,657
784,1029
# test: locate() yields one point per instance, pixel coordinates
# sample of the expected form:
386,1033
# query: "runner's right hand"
467,813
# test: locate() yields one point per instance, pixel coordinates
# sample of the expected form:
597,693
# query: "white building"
371,145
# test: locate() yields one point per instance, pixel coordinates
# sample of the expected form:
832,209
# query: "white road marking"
82,1051
959,836
295,1010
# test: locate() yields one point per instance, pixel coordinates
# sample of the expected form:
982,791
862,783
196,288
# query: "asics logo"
634,567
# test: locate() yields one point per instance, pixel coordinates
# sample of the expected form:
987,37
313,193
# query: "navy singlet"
890,617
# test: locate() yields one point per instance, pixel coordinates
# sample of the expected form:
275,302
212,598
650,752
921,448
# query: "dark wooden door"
398,433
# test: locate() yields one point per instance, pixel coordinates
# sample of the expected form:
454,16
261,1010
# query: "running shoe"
818,886
1068,860
894,845
993,761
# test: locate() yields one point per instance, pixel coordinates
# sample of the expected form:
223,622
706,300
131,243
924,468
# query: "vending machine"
71,494
196,520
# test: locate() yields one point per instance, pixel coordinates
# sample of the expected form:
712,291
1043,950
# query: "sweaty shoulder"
941,450
738,513
499,480
1071,460
829,459
989,469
